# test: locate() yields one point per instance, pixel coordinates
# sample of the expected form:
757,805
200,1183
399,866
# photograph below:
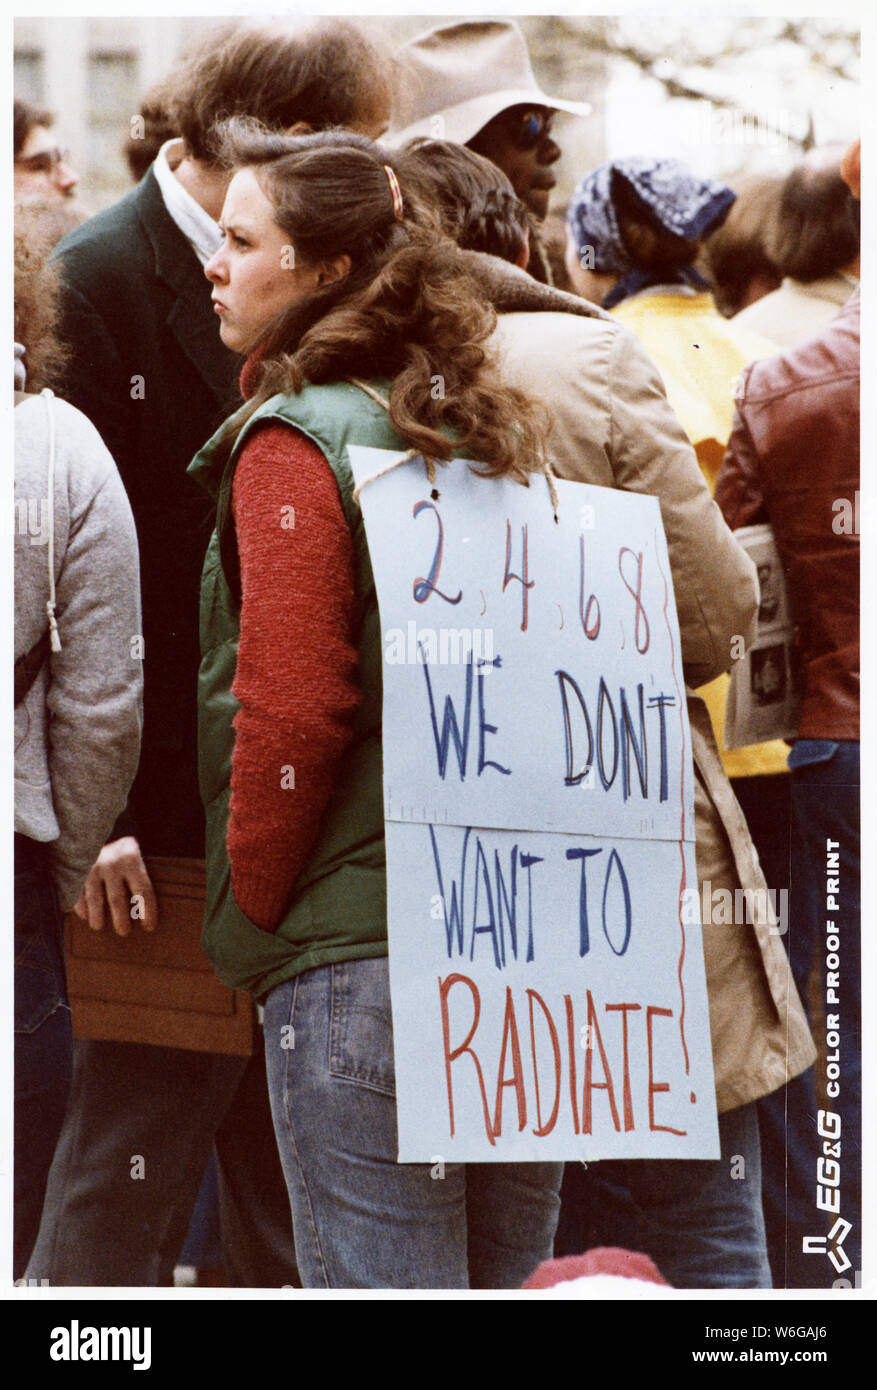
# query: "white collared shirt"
197,226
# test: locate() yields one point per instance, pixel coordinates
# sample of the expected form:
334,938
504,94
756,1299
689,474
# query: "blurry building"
92,74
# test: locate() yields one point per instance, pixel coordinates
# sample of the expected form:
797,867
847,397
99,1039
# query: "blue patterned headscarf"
683,204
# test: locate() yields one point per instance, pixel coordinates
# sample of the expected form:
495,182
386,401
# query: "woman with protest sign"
329,273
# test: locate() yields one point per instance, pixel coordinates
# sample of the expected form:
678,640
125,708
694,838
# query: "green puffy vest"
339,908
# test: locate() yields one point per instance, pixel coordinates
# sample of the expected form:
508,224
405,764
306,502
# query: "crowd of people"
181,379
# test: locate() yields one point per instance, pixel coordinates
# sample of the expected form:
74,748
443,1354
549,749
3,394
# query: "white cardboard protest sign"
548,987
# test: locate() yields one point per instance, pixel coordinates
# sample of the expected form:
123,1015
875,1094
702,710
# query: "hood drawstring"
54,636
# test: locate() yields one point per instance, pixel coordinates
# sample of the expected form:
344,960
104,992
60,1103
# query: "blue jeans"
102,1226
360,1219
43,1040
825,806
700,1220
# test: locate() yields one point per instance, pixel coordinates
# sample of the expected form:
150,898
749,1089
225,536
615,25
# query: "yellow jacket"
700,356
613,428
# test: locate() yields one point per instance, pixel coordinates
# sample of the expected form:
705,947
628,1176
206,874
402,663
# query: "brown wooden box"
157,987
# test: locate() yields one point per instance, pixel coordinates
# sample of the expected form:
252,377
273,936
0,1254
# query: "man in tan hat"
472,83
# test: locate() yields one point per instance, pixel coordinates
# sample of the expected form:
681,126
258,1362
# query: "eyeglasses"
45,162
530,127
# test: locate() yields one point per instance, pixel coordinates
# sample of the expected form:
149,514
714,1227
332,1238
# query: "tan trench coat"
613,427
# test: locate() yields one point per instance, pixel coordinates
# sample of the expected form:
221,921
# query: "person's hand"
119,879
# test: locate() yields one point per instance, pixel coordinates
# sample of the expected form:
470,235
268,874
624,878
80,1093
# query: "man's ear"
300,128
330,271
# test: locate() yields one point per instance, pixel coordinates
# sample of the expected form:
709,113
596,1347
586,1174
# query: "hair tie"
396,192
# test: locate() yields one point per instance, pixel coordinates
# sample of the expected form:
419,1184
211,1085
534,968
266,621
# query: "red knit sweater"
296,676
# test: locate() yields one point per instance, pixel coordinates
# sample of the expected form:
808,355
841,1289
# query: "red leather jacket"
793,460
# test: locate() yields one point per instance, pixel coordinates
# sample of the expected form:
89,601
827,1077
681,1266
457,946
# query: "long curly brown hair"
407,312
37,297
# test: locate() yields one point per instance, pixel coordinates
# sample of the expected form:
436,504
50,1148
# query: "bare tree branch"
610,38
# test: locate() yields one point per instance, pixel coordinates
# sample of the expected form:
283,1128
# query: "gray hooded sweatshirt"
77,732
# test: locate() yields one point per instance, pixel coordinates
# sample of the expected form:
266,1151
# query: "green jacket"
339,908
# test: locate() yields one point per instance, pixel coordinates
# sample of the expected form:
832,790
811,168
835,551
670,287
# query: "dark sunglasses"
45,162
529,128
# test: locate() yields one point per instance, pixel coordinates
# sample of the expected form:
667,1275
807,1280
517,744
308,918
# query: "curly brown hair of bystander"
37,291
